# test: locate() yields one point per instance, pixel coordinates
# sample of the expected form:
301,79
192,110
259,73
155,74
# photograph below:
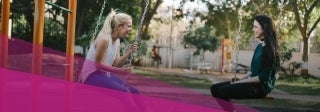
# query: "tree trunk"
305,56
149,15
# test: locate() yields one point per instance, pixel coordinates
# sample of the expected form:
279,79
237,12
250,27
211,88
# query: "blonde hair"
113,20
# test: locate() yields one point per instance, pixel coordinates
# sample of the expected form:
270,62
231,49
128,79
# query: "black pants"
227,91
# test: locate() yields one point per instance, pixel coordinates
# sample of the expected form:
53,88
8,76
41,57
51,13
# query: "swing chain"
141,21
99,19
238,39
280,17
129,60
139,30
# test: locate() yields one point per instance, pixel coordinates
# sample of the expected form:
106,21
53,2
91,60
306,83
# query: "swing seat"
269,97
241,67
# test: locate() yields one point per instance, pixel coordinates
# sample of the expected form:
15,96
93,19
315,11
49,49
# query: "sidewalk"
216,77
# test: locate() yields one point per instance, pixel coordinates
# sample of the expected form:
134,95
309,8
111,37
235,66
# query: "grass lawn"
292,85
299,85
279,103
176,80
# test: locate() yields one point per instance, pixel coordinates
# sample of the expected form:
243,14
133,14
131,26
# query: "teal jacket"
266,75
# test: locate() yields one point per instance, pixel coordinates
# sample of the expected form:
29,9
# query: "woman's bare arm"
120,60
254,79
101,46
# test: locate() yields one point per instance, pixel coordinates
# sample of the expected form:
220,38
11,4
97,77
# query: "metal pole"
222,55
38,29
71,40
5,14
170,44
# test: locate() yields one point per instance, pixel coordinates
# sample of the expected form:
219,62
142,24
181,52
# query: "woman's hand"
132,48
127,68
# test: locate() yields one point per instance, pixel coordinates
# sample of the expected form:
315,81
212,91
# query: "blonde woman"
103,61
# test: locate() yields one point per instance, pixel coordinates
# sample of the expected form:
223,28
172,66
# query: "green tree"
267,7
22,19
307,19
203,39
87,14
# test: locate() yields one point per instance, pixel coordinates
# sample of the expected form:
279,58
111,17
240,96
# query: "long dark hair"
270,55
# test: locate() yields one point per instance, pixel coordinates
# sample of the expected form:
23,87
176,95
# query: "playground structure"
39,10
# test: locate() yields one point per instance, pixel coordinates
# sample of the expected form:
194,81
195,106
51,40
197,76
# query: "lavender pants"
100,79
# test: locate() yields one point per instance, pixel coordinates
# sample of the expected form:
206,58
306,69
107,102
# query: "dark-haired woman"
264,67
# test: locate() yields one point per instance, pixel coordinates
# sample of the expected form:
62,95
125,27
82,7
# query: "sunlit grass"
279,103
176,80
299,85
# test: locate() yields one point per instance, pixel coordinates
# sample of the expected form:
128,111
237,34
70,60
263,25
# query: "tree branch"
297,16
313,27
308,11
313,5
304,5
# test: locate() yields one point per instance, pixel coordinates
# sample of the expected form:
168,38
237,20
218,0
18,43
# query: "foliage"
285,56
222,16
293,67
87,14
306,17
54,35
255,7
202,39
285,52
22,19
21,28
142,50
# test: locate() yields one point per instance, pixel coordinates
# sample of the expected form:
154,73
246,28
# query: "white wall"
180,57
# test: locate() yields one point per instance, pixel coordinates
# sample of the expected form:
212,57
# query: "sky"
196,5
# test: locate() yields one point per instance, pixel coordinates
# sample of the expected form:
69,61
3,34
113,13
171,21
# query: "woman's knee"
214,89
134,90
218,91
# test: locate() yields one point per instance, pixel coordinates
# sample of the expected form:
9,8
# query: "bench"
203,67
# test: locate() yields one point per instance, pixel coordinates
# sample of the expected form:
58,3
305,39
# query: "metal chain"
239,32
129,60
99,19
238,39
280,17
138,35
141,21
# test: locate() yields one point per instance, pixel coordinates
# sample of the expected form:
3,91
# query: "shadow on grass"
280,105
177,80
294,85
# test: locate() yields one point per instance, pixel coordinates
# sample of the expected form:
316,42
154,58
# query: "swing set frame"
37,44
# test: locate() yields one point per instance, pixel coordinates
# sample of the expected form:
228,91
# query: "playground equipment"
5,14
99,19
38,36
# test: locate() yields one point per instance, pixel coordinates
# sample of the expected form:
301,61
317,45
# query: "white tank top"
109,57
